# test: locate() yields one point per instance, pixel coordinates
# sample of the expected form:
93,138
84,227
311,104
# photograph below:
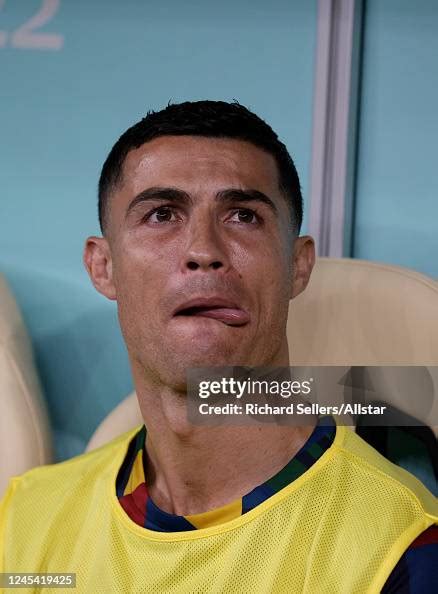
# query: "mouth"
214,308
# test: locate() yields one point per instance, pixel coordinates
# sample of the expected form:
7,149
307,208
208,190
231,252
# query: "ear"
98,262
303,262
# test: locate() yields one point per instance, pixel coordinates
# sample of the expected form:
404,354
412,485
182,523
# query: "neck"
192,469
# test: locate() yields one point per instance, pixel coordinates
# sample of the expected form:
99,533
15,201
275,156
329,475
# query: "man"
200,209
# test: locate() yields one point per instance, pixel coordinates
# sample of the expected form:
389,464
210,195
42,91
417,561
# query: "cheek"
139,267
269,266
267,277
138,278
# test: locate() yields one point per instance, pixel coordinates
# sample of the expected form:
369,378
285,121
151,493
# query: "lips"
215,308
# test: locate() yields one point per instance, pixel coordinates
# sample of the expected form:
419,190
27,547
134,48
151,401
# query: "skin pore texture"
193,218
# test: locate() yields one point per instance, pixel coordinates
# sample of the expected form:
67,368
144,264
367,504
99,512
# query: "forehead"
196,163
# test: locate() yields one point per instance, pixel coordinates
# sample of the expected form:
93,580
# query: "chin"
215,346
174,370
207,359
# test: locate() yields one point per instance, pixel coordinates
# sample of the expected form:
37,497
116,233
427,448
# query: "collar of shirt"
133,494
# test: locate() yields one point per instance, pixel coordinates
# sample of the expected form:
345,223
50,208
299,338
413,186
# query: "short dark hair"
211,119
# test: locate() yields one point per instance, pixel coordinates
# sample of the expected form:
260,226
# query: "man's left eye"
244,215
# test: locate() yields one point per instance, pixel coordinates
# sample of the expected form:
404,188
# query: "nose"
205,249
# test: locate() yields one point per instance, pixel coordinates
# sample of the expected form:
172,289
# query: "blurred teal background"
397,179
61,111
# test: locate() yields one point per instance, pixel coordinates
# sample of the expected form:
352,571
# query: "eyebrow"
179,196
159,193
233,194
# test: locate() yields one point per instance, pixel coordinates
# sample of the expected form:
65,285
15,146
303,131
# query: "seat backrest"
353,312
356,312
25,434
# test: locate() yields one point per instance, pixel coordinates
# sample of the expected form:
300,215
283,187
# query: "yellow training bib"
339,528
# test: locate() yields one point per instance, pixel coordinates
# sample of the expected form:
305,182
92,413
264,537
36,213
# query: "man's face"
199,256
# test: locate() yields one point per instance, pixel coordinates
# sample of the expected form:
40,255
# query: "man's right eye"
162,214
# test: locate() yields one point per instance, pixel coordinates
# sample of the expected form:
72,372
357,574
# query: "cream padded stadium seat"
353,312
356,312
25,435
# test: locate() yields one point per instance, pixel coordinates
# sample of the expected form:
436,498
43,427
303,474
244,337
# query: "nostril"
192,265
